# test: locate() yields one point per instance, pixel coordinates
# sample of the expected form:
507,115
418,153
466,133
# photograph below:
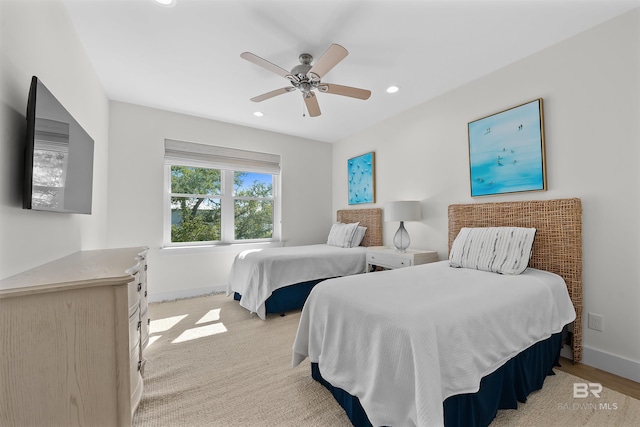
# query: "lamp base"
401,240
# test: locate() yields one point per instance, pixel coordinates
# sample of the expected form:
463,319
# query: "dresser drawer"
135,379
134,330
134,295
387,260
144,329
144,303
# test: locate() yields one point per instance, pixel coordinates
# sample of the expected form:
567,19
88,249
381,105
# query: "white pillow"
504,250
342,234
358,236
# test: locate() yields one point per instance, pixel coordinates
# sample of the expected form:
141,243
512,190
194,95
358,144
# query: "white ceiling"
186,58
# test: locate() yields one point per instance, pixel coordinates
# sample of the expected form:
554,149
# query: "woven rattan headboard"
370,218
557,246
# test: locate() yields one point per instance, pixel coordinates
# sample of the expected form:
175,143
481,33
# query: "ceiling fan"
306,77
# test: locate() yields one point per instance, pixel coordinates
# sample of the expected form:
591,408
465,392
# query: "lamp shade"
402,211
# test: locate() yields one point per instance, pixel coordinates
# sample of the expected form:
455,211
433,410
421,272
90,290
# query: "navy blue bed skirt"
289,298
502,389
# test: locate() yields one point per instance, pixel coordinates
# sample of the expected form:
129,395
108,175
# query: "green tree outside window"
196,205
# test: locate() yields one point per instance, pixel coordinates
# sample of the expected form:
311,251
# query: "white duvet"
403,341
256,273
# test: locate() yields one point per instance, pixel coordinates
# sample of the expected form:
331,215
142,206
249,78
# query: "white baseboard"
612,363
185,293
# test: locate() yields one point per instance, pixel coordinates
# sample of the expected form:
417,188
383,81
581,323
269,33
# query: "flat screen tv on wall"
58,173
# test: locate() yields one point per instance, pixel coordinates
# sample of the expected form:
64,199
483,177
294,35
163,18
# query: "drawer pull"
139,287
139,365
148,321
145,294
139,324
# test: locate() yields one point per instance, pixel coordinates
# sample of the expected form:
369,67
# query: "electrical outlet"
596,322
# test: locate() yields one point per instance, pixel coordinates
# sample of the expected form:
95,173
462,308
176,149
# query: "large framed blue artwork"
361,172
506,151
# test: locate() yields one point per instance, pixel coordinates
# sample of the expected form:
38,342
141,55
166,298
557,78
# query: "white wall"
136,177
37,38
591,90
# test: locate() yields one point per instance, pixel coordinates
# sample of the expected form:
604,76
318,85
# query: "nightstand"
385,257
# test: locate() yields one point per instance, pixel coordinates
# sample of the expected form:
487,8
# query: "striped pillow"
504,250
342,234
358,236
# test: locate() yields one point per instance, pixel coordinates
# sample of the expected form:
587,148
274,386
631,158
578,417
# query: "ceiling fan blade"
353,92
329,59
265,64
273,93
312,104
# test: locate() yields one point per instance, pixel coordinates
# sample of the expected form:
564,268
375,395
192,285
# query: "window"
252,205
220,195
195,204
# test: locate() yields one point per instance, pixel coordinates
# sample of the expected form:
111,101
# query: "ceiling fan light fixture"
393,89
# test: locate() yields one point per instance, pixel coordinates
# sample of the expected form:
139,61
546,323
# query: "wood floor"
589,373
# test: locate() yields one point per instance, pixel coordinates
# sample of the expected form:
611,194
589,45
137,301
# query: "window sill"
220,247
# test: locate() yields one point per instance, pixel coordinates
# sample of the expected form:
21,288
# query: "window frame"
227,202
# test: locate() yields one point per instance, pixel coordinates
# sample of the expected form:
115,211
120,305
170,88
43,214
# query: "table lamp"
402,211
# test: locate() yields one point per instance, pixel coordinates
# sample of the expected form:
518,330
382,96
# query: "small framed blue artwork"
362,178
506,151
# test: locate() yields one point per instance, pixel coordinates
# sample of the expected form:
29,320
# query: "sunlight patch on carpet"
153,339
200,332
211,316
162,325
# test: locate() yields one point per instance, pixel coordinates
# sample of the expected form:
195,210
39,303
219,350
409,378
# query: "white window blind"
210,156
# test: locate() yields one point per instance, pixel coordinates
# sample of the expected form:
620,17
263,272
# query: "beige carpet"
214,364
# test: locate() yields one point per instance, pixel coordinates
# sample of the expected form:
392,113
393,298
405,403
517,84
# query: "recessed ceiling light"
258,114
168,3
392,89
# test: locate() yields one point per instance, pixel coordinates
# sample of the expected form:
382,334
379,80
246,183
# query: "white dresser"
72,335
